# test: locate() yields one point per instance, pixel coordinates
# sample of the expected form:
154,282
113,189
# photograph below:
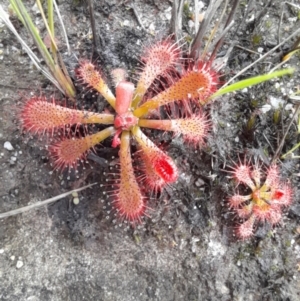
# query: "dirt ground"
185,250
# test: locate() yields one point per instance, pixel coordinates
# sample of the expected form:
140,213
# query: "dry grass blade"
93,24
42,203
176,20
62,26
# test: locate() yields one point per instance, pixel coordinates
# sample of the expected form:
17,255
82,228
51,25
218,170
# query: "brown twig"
93,25
197,42
227,26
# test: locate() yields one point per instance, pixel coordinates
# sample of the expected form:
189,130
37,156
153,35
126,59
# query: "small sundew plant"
132,109
264,203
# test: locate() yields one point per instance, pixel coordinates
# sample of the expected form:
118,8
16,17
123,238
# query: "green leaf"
252,82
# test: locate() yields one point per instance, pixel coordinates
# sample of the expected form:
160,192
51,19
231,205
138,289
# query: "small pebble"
260,49
151,27
19,264
168,16
265,108
126,23
191,24
201,5
12,160
289,107
8,146
199,182
276,103
75,194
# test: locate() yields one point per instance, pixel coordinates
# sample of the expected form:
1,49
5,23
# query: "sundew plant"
131,111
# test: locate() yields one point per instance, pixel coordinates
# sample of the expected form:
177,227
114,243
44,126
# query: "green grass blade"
251,82
51,17
50,27
17,11
49,24
36,36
